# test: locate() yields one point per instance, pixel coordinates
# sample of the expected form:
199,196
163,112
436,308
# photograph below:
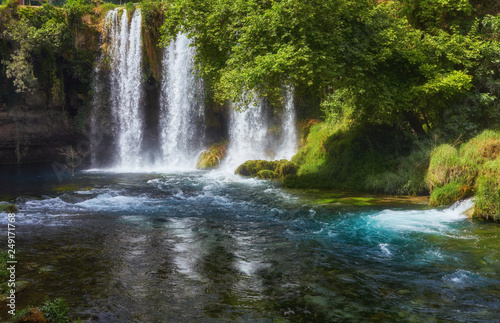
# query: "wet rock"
212,157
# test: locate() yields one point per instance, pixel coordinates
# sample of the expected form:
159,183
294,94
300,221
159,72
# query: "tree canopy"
383,61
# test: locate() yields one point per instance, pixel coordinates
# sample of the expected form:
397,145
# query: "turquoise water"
212,247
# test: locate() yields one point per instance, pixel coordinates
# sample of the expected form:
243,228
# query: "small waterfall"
182,110
125,52
288,145
248,136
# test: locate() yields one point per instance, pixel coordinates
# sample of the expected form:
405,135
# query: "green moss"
275,169
250,168
268,174
212,157
286,168
8,207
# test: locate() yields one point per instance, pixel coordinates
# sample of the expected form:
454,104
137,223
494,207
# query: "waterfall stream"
251,134
254,133
182,110
125,52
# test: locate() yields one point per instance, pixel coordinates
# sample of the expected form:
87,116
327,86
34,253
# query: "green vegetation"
472,167
8,207
4,274
267,169
52,311
364,158
212,157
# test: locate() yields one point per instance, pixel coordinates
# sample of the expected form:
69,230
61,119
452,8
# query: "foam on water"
429,221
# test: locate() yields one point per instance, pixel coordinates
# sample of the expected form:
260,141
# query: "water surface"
209,247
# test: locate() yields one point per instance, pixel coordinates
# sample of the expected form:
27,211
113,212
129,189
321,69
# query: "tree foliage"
382,62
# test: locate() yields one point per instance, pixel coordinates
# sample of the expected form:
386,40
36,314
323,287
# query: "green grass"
487,203
474,166
360,157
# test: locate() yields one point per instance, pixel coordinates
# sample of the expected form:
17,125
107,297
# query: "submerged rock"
267,169
212,157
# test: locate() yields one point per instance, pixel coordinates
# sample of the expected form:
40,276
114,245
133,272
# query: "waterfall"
182,110
288,145
251,135
255,133
248,135
125,53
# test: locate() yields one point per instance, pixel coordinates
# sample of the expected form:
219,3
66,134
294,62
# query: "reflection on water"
213,247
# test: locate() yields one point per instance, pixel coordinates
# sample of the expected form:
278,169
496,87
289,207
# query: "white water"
288,146
182,112
429,221
125,53
250,137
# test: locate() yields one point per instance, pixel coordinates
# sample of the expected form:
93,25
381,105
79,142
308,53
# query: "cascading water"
125,52
288,145
250,135
182,111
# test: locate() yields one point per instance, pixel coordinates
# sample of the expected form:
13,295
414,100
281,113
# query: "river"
214,247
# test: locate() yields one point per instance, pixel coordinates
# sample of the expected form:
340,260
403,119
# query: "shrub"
445,195
56,311
444,166
475,166
487,202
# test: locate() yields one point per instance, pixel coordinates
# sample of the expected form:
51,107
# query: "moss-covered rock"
250,168
212,157
267,169
268,174
286,168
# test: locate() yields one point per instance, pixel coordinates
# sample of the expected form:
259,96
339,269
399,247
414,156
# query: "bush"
444,166
487,202
474,166
445,195
407,179
56,311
